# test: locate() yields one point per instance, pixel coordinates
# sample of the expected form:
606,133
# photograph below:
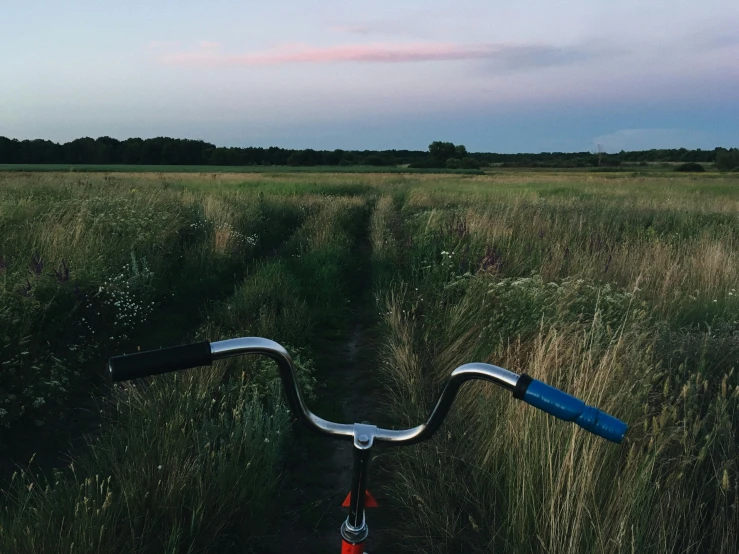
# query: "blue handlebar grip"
560,404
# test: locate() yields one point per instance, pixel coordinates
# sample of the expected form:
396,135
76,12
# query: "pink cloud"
369,53
209,45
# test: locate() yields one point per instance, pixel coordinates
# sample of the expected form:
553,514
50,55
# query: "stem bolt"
363,439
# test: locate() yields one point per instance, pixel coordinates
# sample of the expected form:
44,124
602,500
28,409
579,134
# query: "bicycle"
354,531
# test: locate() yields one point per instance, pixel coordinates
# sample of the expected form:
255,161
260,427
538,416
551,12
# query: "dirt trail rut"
321,468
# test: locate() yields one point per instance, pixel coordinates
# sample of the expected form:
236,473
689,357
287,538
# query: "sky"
497,76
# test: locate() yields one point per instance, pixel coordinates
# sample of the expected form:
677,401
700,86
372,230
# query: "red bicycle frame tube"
349,548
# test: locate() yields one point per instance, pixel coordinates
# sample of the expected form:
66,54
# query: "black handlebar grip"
153,362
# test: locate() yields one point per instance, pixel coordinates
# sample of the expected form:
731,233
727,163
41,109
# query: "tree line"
172,151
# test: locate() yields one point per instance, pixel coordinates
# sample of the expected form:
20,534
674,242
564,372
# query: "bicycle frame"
354,530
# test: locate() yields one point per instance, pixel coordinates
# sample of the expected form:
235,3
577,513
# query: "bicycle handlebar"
540,395
154,362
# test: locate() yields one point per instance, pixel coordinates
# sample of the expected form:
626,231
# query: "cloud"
522,57
209,45
646,139
367,53
506,56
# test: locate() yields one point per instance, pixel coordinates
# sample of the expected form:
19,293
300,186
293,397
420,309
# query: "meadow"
620,288
217,169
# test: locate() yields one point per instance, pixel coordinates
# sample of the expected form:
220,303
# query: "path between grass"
319,469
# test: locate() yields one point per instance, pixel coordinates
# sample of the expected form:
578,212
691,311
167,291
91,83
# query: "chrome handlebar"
536,393
467,372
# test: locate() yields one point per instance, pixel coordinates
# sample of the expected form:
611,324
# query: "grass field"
620,288
210,169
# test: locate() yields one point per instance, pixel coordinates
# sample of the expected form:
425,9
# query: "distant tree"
218,156
453,163
305,157
295,159
470,163
442,151
332,158
726,160
348,158
131,151
166,150
374,160
80,151
151,151
39,151
170,153
9,150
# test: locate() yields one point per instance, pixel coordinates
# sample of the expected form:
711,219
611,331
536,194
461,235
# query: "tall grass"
618,288
191,462
632,310
187,464
96,265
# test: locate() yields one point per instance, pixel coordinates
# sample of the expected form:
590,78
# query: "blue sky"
495,76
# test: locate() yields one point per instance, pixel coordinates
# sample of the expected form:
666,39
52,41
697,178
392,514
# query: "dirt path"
319,474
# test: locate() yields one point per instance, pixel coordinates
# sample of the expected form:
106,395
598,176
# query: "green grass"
120,168
620,288
191,462
624,296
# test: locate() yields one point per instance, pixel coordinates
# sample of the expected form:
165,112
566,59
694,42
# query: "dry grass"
618,288
625,299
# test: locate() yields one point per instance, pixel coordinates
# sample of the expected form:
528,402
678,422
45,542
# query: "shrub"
453,163
690,167
470,163
429,163
727,160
